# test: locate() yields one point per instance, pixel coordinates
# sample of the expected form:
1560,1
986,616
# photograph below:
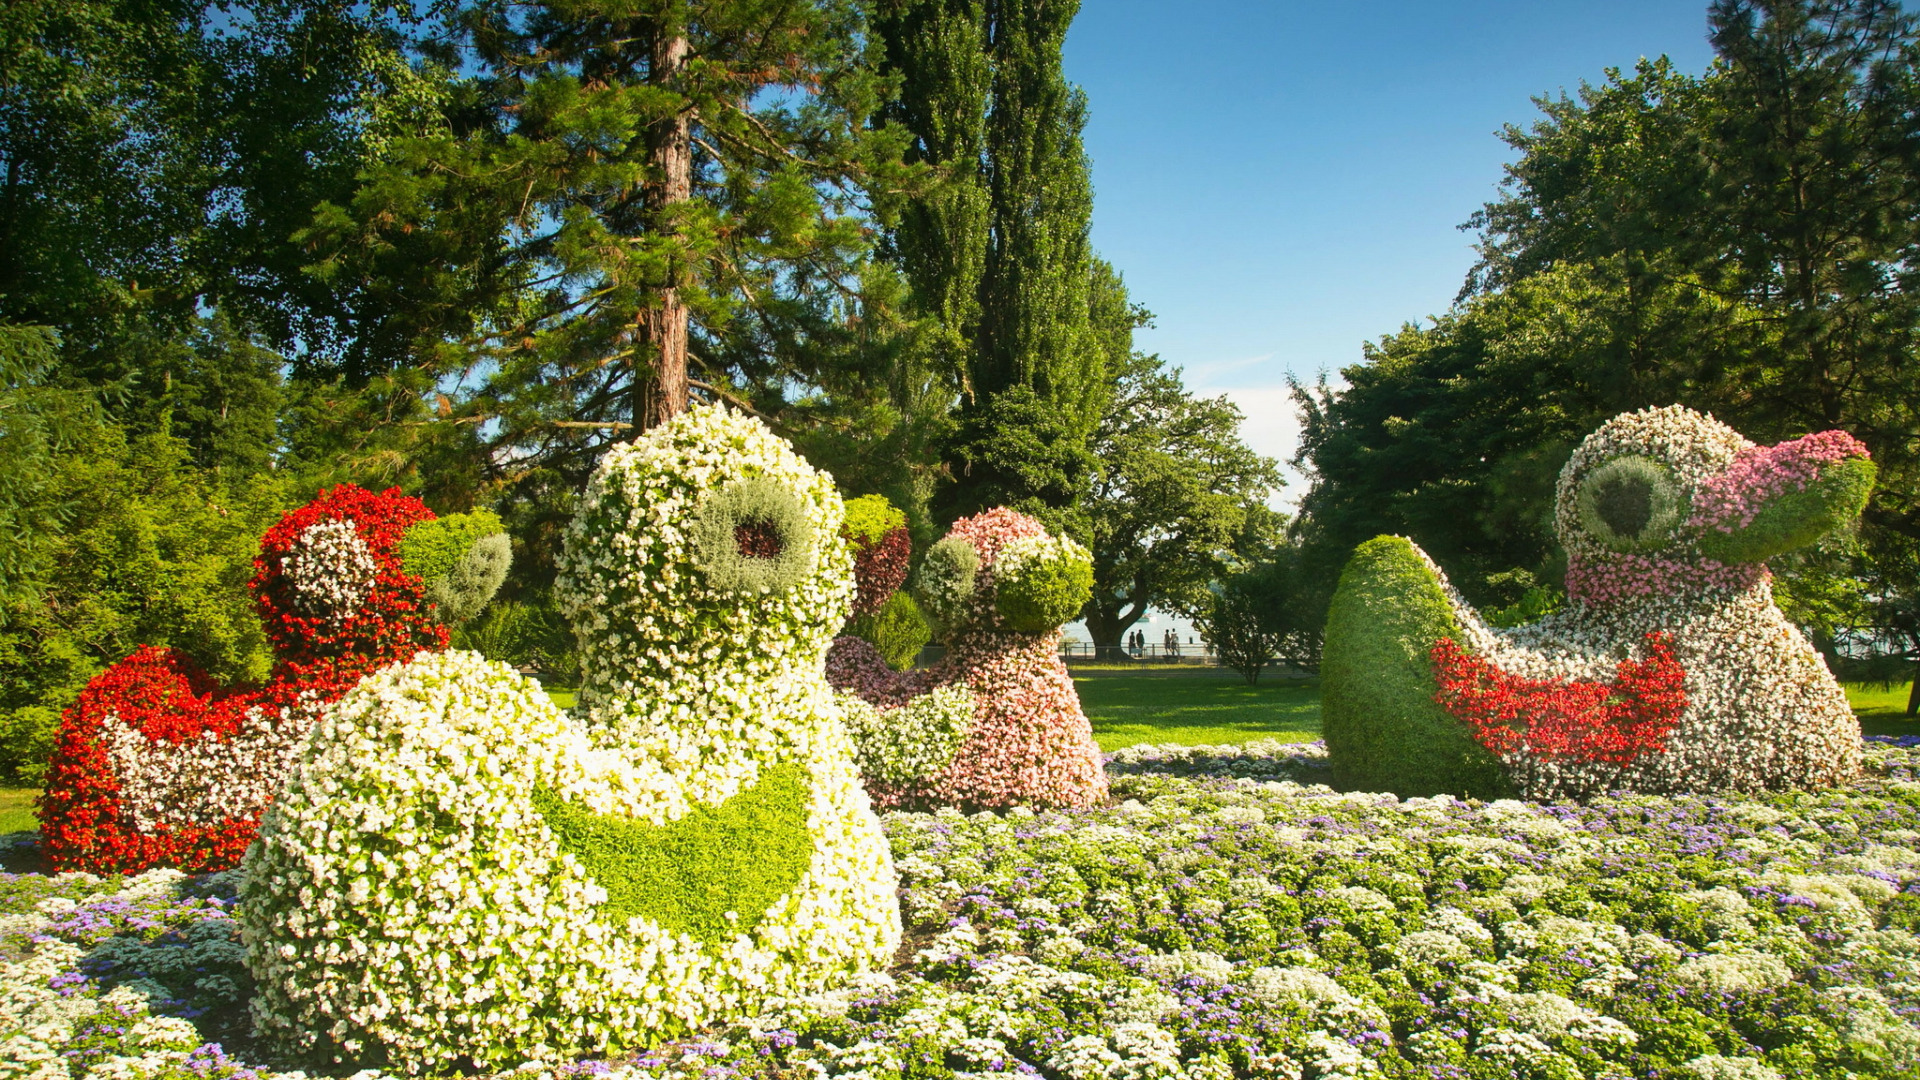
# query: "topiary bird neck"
1625,578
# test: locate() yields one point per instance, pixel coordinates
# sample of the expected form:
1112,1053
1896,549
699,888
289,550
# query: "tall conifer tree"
999,255
937,49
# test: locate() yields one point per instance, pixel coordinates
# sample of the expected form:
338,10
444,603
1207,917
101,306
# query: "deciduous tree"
1170,502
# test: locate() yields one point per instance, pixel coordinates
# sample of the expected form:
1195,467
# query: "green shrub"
871,517
156,552
525,635
1383,728
1234,624
1535,604
26,742
898,630
432,549
460,593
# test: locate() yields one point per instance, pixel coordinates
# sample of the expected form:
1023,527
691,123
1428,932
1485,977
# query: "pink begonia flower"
1619,576
1030,743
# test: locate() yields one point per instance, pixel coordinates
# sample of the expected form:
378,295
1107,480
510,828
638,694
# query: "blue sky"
1279,182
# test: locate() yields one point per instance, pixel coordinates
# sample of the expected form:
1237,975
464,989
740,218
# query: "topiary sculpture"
997,588
156,765
1669,669
459,875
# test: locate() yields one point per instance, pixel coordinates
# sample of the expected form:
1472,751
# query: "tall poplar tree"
937,50
998,253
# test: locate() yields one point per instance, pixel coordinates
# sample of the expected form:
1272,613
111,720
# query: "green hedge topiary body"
1383,728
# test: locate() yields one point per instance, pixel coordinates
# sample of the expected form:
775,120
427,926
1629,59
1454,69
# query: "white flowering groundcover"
1227,916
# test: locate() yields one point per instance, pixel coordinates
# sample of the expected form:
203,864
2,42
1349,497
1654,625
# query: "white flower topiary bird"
1669,668
458,874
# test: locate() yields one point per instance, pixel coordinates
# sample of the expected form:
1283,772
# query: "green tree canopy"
1170,502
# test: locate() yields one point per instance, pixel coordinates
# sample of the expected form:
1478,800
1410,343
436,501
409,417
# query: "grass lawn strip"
1196,709
16,809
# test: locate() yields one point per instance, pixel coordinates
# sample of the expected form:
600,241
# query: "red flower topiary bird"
156,765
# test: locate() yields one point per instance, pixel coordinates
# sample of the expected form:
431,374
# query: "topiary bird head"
1666,501
372,578
706,544
1001,572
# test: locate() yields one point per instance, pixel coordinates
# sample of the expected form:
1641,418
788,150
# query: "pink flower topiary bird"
997,588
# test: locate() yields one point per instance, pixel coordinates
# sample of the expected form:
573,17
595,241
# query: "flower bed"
1211,925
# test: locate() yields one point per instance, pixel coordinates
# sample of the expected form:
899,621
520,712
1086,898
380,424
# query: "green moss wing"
711,874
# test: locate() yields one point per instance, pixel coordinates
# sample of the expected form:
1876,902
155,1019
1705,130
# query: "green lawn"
16,810
1882,711
1197,708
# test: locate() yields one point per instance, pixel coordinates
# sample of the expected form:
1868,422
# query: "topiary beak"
1774,499
461,560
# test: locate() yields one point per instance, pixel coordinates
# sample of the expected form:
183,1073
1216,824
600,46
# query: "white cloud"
1270,424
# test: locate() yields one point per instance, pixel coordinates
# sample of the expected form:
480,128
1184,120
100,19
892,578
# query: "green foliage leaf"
1045,592
871,517
898,630
157,552
432,549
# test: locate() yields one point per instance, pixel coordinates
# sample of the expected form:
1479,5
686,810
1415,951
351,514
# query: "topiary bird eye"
1630,504
753,536
758,539
1626,505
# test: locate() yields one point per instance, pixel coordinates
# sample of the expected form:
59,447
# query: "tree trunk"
660,361
1913,698
1107,625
